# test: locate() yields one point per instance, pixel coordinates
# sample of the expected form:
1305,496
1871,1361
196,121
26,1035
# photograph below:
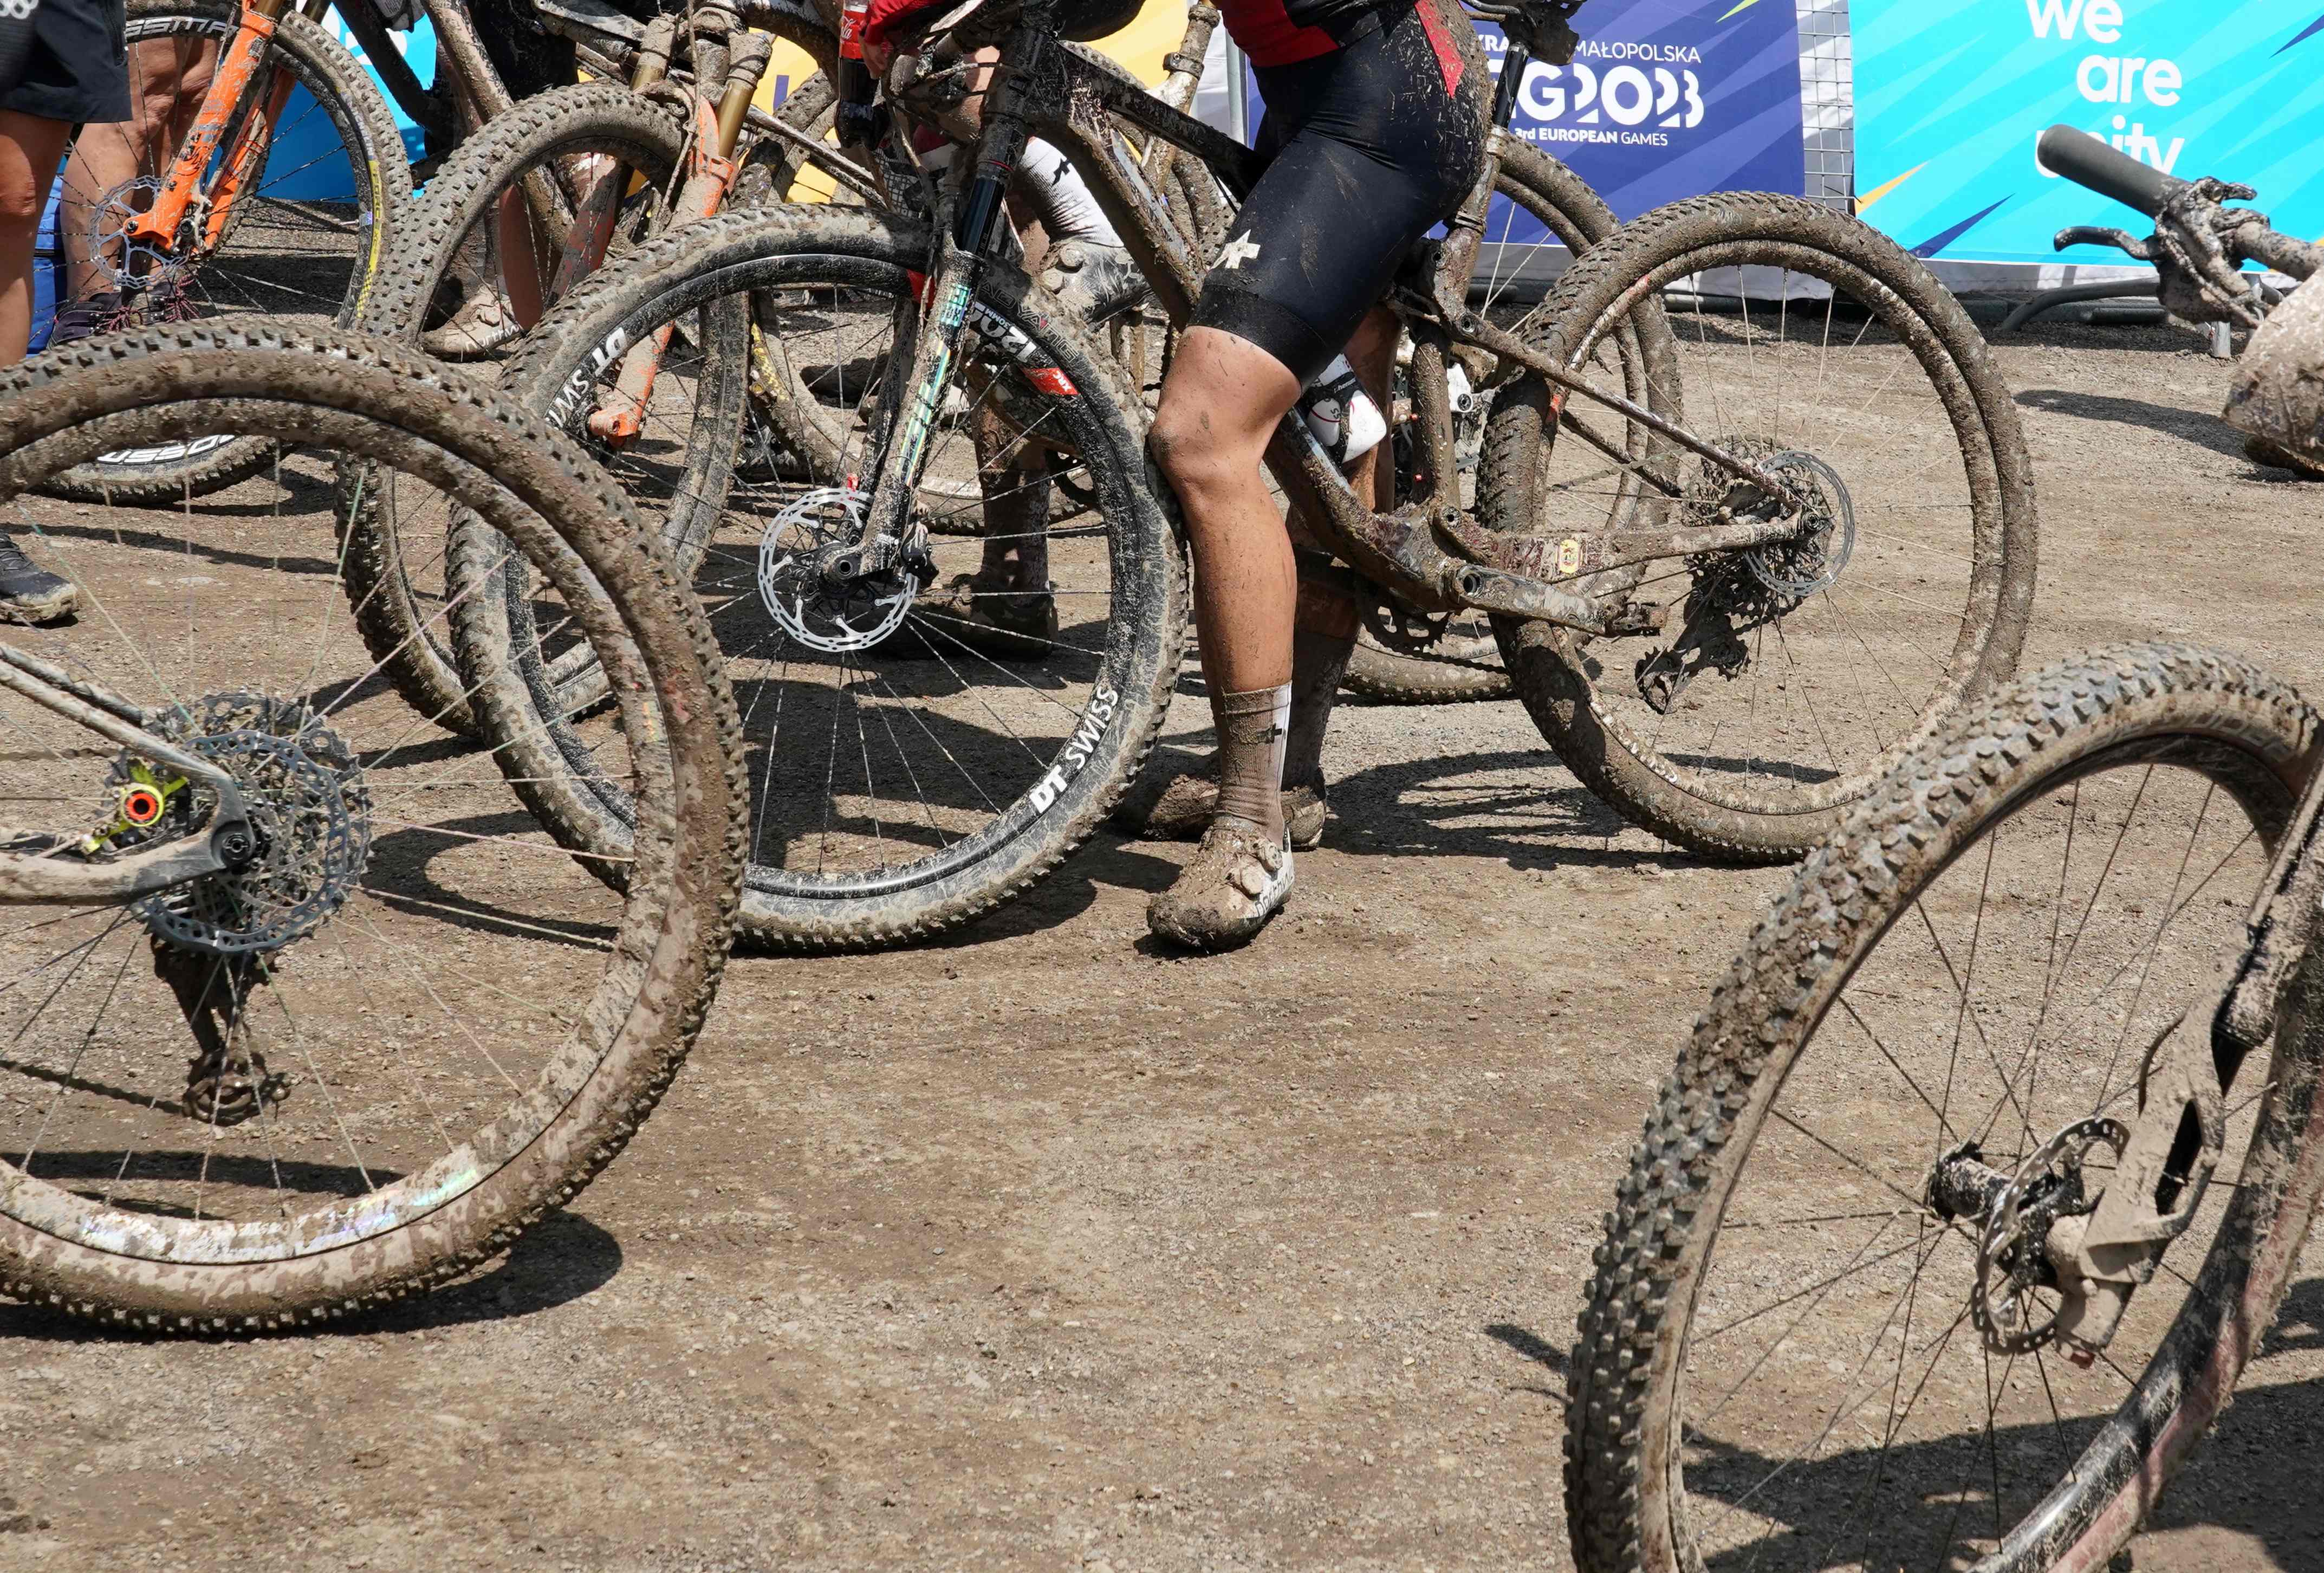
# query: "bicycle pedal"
1636,617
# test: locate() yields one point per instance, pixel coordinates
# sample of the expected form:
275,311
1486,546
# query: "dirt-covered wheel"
309,242
1773,687
932,744
362,1062
1789,1356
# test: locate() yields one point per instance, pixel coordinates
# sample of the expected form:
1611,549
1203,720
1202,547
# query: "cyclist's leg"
30,147
168,78
1384,140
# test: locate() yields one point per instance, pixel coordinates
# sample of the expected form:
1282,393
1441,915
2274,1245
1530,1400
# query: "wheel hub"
2016,1209
1767,582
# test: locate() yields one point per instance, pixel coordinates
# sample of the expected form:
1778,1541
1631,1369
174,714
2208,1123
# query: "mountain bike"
539,200
311,1015
210,226
1731,590
1987,1168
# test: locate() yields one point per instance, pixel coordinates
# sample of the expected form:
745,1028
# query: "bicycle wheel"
365,1061
306,244
1786,682
906,771
1782,1363
445,288
1405,657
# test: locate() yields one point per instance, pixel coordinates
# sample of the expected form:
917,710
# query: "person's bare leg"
1220,404
167,79
1324,632
1177,807
30,148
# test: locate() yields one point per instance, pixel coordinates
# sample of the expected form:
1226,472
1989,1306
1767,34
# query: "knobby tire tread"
1773,996
527,458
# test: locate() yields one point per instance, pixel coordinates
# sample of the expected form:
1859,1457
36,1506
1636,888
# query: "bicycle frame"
28,878
1429,551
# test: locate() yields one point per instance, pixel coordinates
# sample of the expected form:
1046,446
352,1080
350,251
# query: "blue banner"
1665,99
1951,95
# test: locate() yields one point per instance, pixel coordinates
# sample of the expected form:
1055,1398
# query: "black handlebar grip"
2087,161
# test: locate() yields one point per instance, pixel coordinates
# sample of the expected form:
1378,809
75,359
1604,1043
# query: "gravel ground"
1039,1249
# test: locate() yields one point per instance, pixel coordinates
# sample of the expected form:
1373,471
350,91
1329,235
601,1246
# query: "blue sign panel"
1951,95
1665,99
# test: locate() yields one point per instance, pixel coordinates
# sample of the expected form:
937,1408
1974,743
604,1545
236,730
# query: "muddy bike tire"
405,627
1453,669
366,128
163,1271
1034,825
2133,708
1552,667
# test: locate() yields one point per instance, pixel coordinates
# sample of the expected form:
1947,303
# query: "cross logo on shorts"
1237,253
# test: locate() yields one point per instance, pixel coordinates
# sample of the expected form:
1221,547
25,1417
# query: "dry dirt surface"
1040,1249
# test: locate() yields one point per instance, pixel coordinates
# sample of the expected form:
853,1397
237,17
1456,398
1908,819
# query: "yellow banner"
1157,30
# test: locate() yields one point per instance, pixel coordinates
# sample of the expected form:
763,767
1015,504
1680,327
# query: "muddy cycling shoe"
1096,280
30,593
87,317
1184,810
485,321
1237,880
995,620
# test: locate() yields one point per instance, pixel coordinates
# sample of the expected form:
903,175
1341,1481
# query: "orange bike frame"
621,411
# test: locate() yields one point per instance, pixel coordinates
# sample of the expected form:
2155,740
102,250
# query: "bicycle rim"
362,1064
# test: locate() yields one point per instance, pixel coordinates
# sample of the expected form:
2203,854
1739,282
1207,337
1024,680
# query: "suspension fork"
979,231
248,140
711,169
591,233
2174,1144
223,121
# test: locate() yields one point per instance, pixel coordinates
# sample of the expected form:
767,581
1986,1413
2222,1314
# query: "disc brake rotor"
2012,1261
807,606
126,262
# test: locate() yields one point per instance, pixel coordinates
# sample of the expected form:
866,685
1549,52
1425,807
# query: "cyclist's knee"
1188,445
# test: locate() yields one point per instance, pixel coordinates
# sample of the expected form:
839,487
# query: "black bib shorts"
1368,149
75,67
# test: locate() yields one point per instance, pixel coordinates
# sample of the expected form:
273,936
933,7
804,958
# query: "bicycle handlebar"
2088,160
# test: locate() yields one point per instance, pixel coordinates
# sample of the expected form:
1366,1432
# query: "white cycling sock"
1068,210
